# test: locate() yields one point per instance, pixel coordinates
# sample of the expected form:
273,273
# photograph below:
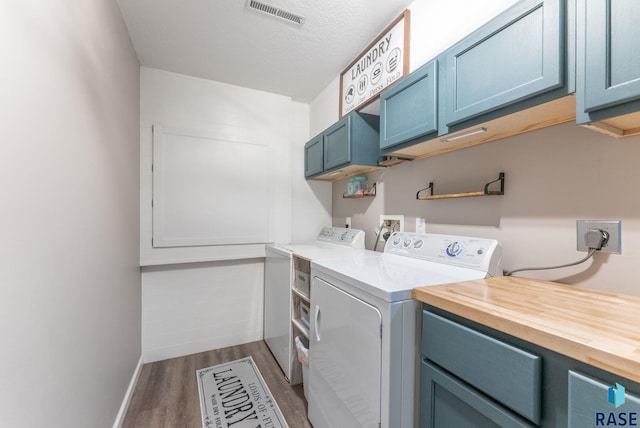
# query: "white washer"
365,326
279,281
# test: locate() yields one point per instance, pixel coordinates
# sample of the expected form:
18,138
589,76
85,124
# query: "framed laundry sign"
381,64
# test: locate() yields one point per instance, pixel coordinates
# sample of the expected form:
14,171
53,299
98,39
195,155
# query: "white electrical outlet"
390,223
421,225
347,222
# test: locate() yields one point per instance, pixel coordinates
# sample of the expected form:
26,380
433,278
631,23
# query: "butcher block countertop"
598,328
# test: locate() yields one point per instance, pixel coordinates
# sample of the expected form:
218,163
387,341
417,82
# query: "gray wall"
554,176
69,173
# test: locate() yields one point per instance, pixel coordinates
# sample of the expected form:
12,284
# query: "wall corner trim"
128,395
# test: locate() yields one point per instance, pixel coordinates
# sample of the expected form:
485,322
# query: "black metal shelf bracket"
500,179
430,187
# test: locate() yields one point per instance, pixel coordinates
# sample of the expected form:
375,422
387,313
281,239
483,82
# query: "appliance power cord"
594,240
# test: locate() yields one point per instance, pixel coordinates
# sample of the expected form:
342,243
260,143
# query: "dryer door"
344,359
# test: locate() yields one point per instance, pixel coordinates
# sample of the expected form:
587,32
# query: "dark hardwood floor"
166,394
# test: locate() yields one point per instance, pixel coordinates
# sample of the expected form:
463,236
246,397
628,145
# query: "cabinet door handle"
317,323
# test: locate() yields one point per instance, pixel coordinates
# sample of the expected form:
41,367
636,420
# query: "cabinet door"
313,157
337,147
593,403
611,52
409,109
484,362
513,57
447,402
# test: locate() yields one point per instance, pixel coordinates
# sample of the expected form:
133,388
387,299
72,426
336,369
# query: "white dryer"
286,289
365,326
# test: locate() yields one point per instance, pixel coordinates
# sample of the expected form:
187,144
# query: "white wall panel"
209,189
191,308
185,102
311,200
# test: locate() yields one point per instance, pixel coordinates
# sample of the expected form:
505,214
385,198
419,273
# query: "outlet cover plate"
392,217
612,227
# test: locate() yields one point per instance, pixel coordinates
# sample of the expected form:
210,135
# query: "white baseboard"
182,349
127,397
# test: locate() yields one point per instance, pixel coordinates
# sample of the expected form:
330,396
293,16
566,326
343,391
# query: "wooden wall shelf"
485,192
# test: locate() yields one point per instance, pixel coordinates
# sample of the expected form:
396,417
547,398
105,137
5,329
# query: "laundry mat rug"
234,395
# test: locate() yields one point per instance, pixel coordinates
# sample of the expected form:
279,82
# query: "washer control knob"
396,241
418,244
406,243
454,249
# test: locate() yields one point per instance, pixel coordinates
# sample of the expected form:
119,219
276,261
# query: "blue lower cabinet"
475,376
608,68
446,401
348,147
409,109
507,374
593,402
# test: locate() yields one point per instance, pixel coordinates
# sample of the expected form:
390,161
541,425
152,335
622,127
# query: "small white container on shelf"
357,184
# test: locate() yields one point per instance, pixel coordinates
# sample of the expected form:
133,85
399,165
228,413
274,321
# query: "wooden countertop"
599,328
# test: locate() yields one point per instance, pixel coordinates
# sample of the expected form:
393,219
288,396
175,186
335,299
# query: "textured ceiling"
223,40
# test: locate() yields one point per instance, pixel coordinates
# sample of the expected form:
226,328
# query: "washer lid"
322,250
391,277
331,242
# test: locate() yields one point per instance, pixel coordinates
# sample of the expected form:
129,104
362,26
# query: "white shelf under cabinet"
300,327
300,294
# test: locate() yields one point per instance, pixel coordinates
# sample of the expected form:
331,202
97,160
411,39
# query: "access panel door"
344,359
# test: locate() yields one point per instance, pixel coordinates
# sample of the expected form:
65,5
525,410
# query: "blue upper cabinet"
514,74
337,150
347,148
516,56
313,157
409,109
608,69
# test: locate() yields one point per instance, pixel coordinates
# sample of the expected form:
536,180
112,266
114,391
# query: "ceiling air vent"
274,11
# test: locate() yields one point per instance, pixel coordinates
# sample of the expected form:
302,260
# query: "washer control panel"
454,249
341,235
476,253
